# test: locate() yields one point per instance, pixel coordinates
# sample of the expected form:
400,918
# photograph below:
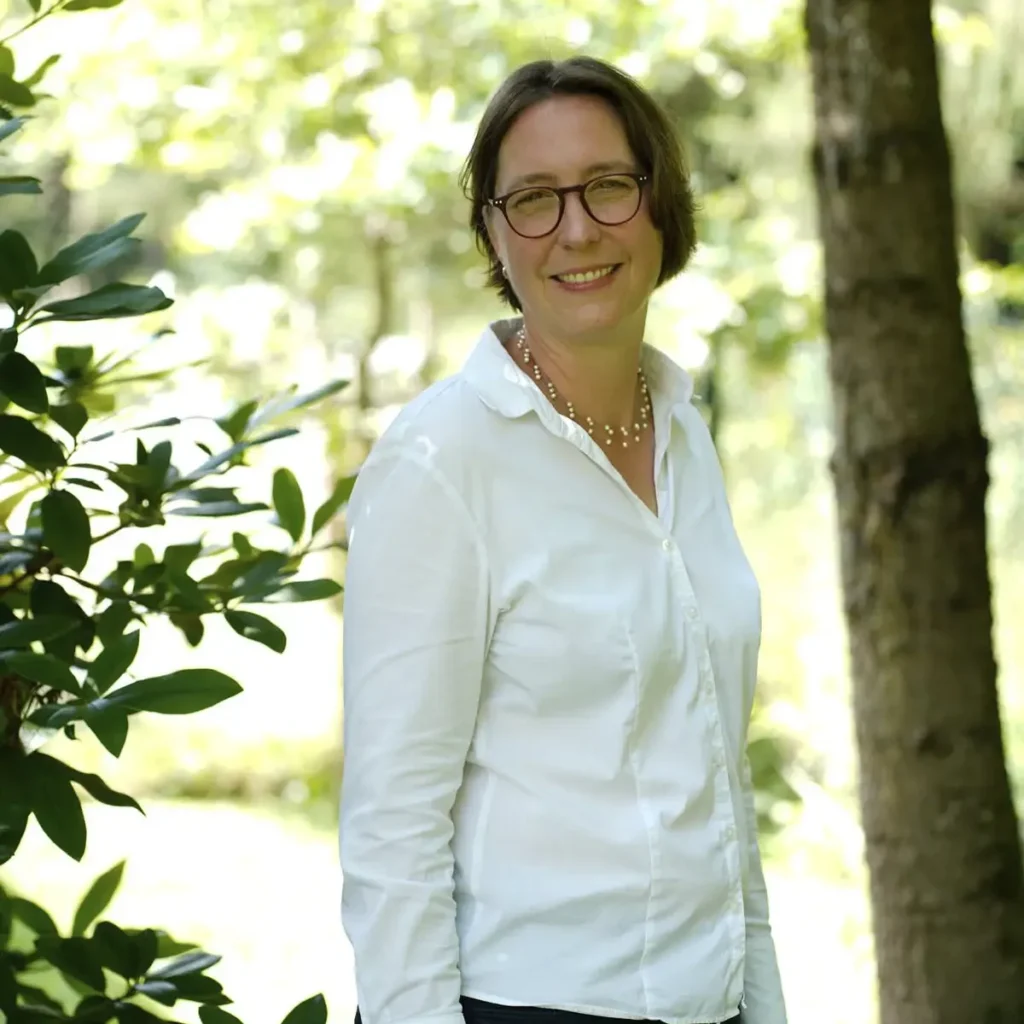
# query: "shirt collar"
503,387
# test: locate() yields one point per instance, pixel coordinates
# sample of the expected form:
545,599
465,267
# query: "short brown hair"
648,130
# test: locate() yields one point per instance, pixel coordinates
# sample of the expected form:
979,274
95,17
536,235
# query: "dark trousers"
476,1011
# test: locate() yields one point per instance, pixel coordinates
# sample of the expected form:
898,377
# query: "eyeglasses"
536,211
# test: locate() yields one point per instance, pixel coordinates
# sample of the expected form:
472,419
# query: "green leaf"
190,963
207,495
35,5
71,416
310,1011
20,185
110,302
48,598
143,556
286,405
113,621
167,421
14,807
215,1015
110,727
178,693
90,5
288,503
166,946
6,60
24,631
113,661
22,383
165,992
262,576
32,916
79,481
191,626
305,590
18,266
10,126
100,791
115,949
97,899
14,93
186,593
40,72
55,803
94,1010
89,252
146,945
256,627
236,422
180,556
44,669
66,530
200,988
218,508
330,508
24,441
75,957
236,449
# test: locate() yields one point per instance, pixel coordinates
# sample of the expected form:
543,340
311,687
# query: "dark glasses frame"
501,202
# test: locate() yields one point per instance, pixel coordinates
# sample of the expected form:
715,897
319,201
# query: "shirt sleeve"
763,999
415,636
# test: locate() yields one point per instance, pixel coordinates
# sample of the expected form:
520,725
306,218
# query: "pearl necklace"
610,432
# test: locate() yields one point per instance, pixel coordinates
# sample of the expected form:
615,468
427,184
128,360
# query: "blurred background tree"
910,466
299,163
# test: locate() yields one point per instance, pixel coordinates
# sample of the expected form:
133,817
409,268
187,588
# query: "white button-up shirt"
546,797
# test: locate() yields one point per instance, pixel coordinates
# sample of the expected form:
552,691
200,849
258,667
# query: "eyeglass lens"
610,199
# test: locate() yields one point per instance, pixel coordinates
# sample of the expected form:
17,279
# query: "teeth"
590,275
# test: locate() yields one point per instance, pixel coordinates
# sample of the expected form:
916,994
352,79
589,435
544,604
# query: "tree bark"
942,844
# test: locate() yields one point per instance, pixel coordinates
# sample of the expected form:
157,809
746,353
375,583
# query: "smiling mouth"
586,276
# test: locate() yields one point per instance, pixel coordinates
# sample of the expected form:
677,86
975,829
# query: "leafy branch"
69,634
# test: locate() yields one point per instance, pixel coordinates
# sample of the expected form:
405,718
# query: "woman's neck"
598,376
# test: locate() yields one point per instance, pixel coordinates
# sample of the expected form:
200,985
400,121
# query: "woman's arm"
415,636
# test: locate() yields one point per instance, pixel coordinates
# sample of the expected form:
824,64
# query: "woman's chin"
593,318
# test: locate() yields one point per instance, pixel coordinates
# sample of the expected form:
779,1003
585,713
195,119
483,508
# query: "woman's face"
567,140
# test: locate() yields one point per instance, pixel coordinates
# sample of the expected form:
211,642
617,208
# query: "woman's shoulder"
447,418
450,422
443,440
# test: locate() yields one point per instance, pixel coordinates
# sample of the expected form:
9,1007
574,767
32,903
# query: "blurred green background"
299,165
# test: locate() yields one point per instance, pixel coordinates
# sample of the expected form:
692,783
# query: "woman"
551,630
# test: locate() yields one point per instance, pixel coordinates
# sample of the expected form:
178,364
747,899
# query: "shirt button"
730,833
666,544
691,612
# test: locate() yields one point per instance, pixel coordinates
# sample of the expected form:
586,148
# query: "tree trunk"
943,851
